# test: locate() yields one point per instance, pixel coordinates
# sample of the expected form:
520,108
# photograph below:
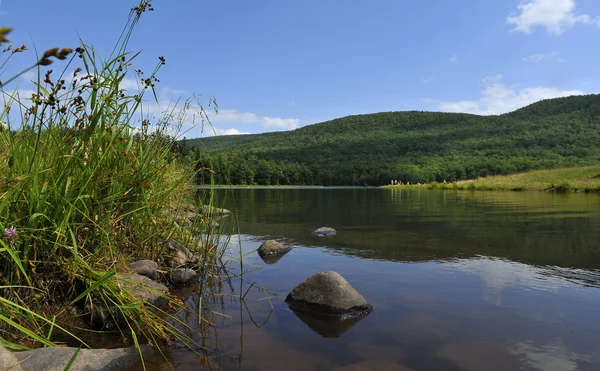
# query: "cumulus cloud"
497,98
554,15
232,131
234,116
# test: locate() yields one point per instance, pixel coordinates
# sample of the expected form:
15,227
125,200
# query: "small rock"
183,257
272,248
56,359
149,291
180,276
8,361
328,293
324,232
145,268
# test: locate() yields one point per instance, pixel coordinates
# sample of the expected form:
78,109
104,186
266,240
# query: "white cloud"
232,131
234,116
497,98
453,59
536,58
555,15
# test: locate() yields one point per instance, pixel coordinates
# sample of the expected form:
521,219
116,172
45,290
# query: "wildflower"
10,234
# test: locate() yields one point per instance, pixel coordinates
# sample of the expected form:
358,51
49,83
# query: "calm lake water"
458,281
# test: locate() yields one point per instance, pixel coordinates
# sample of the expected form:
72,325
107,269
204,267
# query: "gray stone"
145,268
182,257
143,287
327,293
272,248
56,359
8,361
324,232
181,276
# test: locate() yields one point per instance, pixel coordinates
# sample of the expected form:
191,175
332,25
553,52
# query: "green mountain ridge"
410,146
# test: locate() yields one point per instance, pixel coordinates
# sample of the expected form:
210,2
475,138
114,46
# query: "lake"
458,281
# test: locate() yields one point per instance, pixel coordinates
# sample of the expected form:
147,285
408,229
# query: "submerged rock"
327,293
272,248
56,359
180,276
324,232
8,361
145,268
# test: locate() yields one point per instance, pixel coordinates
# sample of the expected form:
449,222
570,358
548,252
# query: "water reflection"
328,326
459,281
550,357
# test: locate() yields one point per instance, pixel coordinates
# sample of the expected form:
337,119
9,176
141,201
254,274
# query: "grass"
575,179
87,184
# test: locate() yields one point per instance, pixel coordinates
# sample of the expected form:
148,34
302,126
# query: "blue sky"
278,65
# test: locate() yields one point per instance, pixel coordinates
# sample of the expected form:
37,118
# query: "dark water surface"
459,281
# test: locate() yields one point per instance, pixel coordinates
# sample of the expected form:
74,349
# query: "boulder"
56,359
324,232
180,276
145,268
327,293
8,361
272,248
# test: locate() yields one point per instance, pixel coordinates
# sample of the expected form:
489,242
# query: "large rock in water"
180,276
324,232
272,248
328,293
56,359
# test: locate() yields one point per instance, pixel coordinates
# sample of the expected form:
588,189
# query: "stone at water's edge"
324,232
145,268
56,359
272,248
143,287
182,257
8,361
328,293
180,276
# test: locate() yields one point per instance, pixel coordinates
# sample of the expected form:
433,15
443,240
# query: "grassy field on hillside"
583,179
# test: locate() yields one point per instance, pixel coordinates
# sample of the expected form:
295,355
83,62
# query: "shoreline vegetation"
88,185
575,179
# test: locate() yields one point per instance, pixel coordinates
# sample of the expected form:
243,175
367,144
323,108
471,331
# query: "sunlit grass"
88,184
576,179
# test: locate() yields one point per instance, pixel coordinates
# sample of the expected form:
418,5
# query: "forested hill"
409,146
